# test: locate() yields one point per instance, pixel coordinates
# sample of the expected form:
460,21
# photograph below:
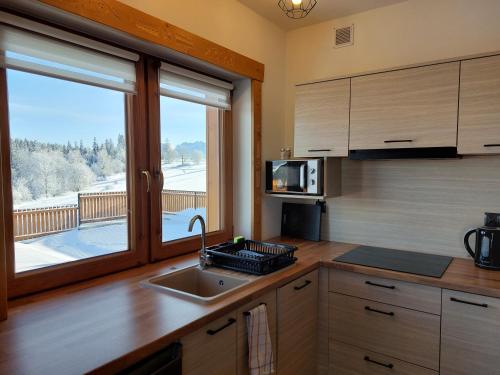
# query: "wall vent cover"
344,36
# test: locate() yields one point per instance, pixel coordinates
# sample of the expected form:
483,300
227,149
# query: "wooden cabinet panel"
470,340
394,292
297,319
406,108
270,300
212,349
350,360
405,334
322,119
479,118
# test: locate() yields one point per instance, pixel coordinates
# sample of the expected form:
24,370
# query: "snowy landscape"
51,175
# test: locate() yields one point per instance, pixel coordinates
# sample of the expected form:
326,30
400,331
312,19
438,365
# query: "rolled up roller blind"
179,83
55,53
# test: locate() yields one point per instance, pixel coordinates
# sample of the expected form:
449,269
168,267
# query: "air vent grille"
344,36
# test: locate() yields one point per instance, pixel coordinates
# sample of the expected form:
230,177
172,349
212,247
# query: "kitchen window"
109,154
194,161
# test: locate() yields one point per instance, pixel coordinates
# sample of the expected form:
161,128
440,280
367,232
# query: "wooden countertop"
107,324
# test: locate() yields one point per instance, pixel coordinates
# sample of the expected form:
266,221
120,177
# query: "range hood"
405,153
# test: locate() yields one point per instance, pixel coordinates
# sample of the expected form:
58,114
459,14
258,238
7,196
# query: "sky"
53,110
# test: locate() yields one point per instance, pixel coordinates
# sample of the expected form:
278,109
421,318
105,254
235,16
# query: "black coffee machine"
487,246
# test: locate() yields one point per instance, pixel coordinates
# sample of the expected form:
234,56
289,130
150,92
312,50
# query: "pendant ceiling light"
297,8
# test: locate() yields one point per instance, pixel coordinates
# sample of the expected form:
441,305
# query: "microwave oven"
298,176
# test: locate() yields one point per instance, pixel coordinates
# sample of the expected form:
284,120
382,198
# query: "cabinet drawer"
201,350
470,341
350,360
405,334
394,292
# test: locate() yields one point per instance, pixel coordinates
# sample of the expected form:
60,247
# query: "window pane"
190,150
68,165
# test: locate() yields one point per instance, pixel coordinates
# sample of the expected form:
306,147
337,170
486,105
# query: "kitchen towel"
260,349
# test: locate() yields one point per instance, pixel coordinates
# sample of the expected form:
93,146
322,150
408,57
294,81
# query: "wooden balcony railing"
93,207
102,206
30,223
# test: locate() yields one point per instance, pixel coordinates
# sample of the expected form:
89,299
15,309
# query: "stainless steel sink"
196,284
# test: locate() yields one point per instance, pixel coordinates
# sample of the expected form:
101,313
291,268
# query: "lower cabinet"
269,300
297,319
351,360
470,334
408,335
211,350
382,326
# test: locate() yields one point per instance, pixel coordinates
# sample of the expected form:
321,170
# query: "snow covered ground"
93,240
189,177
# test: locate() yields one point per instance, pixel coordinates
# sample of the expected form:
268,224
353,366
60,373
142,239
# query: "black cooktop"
397,260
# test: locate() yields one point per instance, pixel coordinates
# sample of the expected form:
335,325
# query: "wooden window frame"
164,250
128,21
37,280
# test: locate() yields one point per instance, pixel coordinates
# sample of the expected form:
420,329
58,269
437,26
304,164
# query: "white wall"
242,157
232,25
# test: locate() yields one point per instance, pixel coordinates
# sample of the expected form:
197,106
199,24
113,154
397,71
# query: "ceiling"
323,11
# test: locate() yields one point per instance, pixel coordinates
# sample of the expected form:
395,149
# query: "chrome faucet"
205,259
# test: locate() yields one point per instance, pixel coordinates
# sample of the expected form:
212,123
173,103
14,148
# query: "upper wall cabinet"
322,119
479,118
406,108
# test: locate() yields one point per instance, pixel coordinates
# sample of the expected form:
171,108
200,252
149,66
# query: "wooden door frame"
58,275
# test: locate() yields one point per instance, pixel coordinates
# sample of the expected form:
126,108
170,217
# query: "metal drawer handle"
492,145
380,285
398,140
319,150
247,313
388,365
212,332
306,283
453,299
368,308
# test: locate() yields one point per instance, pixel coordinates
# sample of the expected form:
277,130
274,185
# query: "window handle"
146,173
159,175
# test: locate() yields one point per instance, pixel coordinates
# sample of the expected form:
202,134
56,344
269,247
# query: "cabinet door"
407,108
297,319
479,119
270,300
212,349
470,334
322,119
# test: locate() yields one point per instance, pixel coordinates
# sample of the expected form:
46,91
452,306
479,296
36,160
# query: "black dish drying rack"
257,258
